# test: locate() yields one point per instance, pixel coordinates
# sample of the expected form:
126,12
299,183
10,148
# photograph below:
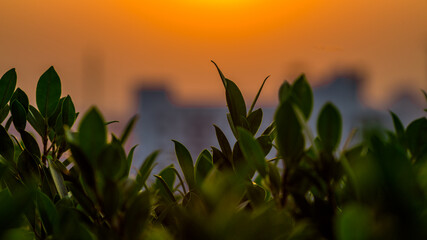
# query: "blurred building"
162,120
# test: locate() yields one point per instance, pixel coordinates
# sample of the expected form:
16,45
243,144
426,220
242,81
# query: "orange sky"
131,43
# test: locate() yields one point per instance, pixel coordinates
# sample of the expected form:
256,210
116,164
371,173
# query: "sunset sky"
105,51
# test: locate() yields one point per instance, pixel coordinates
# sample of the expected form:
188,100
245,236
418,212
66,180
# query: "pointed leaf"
21,97
329,125
235,102
19,115
257,95
7,149
204,164
164,189
30,144
289,136
398,127
223,142
285,91
92,134
37,121
303,95
129,159
58,180
47,211
112,161
4,112
68,112
252,151
186,163
254,120
128,129
145,170
7,86
223,79
48,92
168,174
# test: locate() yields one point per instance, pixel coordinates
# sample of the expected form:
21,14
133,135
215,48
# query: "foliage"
64,184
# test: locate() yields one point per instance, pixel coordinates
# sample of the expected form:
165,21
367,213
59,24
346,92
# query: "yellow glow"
214,19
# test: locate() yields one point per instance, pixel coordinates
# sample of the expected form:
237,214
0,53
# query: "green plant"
74,184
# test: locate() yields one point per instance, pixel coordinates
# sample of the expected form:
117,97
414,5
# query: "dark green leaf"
289,136
111,199
223,79
129,159
285,91
220,160
145,170
235,102
223,142
68,112
168,175
164,189
7,149
203,165
329,125
257,95
58,180
274,179
398,127
303,95
47,211
37,121
254,120
21,97
186,163
128,129
52,119
92,134
7,86
48,92
112,161
28,169
252,151
265,143
416,137
136,216
4,112
30,144
256,194
19,115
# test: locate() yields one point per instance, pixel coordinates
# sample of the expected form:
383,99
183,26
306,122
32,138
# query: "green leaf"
128,129
52,119
186,163
21,97
129,159
416,137
254,120
4,112
48,213
290,139
164,189
168,174
252,151
257,95
329,125
136,216
7,149
28,169
203,165
285,92
92,134
303,95
223,79
145,170
266,144
30,144
223,142
58,180
274,179
256,194
68,112
48,92
398,127
37,121
112,161
19,115
7,86
235,102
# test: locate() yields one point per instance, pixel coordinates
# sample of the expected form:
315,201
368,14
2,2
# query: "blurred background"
367,56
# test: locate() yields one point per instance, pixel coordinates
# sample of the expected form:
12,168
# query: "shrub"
65,184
